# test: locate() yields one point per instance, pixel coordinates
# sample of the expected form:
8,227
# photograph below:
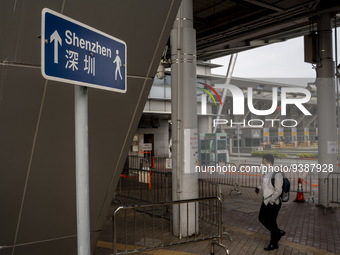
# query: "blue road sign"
73,52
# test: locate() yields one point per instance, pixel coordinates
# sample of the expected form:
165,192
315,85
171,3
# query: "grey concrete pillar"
184,119
326,106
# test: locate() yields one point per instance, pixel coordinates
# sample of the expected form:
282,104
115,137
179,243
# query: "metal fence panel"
333,189
139,228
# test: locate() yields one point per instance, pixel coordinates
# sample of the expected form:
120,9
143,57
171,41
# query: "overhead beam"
265,5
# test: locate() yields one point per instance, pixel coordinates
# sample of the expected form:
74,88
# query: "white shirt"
272,194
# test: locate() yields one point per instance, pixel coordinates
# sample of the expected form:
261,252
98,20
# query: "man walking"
271,201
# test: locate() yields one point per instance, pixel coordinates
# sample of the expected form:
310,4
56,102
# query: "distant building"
155,124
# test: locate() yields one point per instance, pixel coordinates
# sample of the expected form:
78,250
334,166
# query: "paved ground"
309,229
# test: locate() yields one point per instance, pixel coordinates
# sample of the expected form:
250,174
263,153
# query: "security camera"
160,72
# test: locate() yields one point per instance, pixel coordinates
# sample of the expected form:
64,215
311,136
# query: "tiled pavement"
309,229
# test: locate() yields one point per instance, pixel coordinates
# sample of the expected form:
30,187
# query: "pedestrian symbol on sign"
118,62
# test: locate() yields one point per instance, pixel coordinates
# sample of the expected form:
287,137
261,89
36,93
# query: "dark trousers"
267,216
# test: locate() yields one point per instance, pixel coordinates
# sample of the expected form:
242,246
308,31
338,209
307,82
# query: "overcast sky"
279,60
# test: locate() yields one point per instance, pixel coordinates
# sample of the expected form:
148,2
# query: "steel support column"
184,119
326,106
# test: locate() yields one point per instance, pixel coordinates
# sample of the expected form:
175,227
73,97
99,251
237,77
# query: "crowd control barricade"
218,174
302,168
211,178
244,175
207,188
249,175
145,185
141,180
333,190
136,162
161,164
293,169
308,176
140,228
308,181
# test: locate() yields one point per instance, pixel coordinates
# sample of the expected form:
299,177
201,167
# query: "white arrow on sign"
56,38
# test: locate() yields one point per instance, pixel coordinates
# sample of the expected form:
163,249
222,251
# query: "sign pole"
82,169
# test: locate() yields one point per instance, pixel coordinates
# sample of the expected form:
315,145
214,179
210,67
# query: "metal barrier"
139,228
333,190
159,164
219,176
145,185
250,176
244,175
141,182
136,162
233,176
208,188
308,181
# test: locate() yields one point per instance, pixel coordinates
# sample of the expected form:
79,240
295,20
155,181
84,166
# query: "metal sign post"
75,53
82,169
